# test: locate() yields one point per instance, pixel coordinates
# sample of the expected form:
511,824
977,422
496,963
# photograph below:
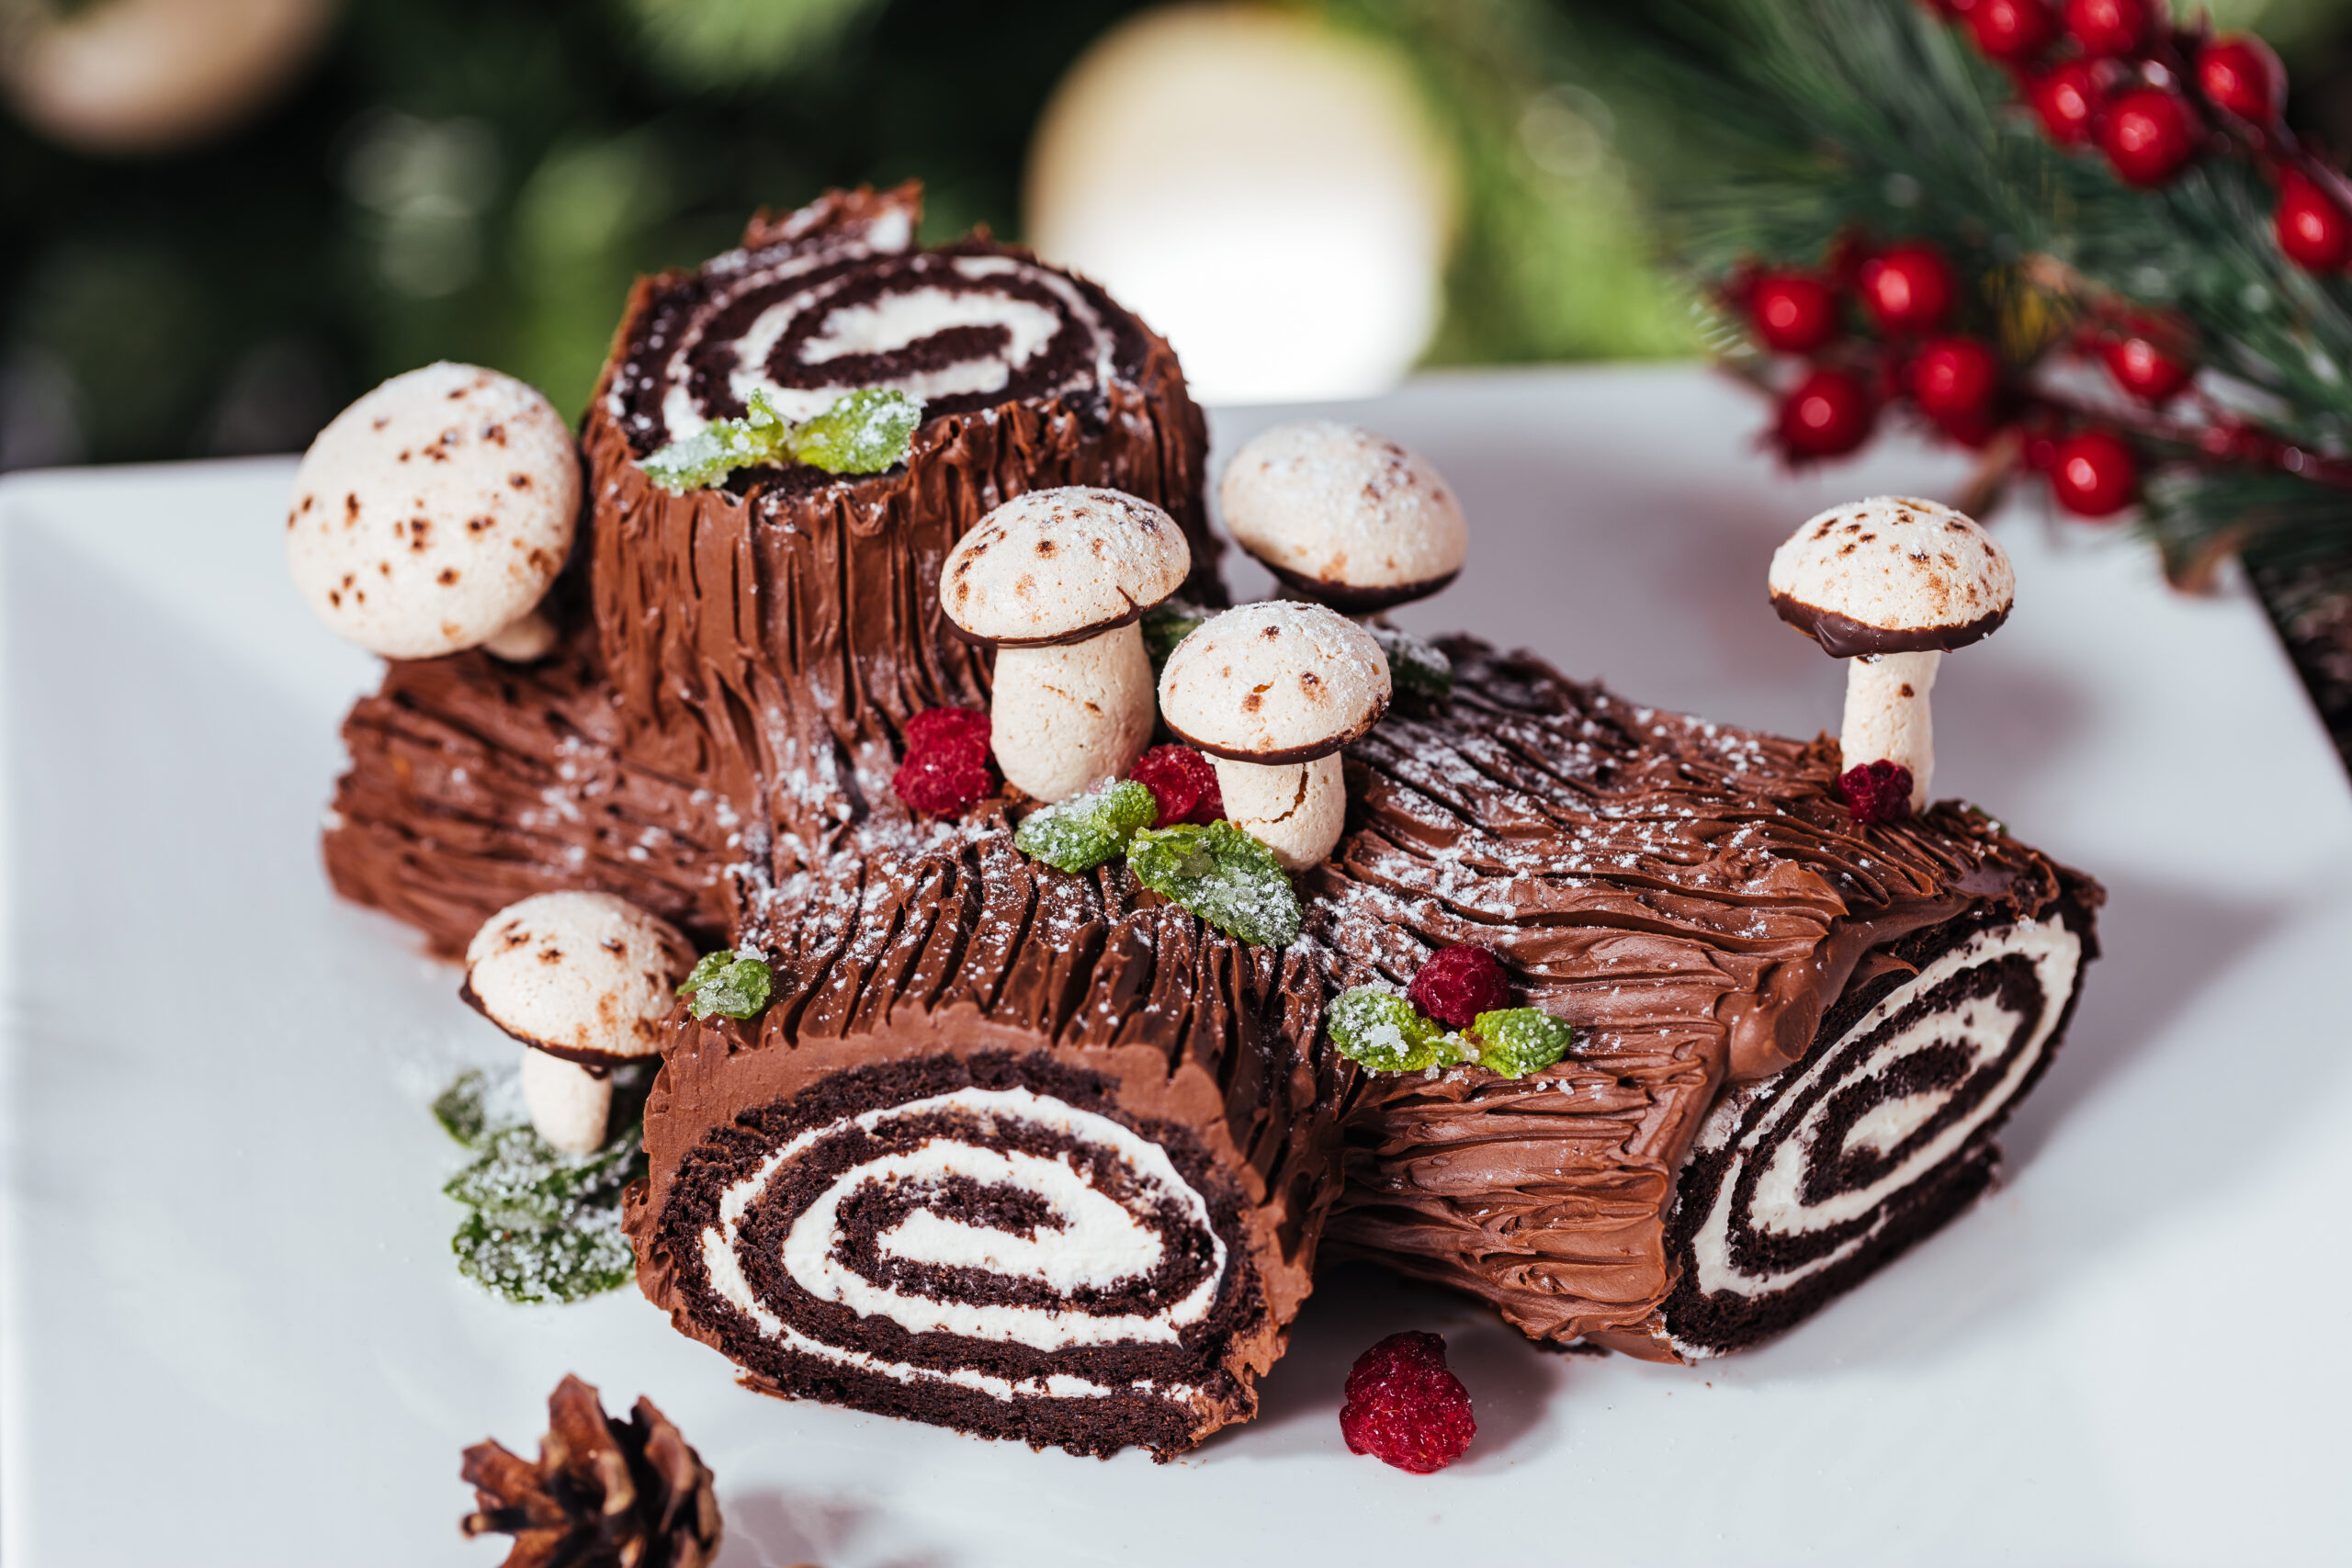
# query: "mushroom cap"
1890,574
434,510
1343,514
583,975
1061,566
1278,682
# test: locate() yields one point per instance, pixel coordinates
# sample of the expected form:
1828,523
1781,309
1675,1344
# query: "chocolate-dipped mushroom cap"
583,980
1891,584
1344,516
1271,692
432,515
1055,580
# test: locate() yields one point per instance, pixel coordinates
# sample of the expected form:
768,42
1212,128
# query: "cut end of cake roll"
1801,1186
1017,1155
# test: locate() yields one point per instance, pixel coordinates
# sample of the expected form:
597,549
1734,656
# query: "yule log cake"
1031,1049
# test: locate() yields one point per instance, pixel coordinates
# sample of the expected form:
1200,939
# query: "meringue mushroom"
1271,692
583,980
1055,580
1892,583
432,515
1344,516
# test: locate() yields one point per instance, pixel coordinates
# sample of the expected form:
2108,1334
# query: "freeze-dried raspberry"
1404,1408
1183,782
958,728
1877,791
946,781
1457,984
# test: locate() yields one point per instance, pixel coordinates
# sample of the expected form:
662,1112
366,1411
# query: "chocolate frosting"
1689,895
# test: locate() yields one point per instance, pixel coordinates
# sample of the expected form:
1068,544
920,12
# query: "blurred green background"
405,180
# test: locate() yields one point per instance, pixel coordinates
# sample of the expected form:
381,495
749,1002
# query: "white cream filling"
879,327
1979,1024
1098,1244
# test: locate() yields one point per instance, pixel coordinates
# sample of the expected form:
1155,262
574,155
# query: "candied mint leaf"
1083,831
1516,1042
543,1225
720,447
1167,624
1384,1031
1222,874
736,988
463,1108
1415,668
864,432
706,969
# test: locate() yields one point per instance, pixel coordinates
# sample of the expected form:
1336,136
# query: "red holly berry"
1456,985
1183,783
1954,378
1405,1408
2067,98
2148,134
1793,313
1828,414
1876,791
2313,227
2144,369
2242,75
2108,27
1907,288
2093,474
2011,29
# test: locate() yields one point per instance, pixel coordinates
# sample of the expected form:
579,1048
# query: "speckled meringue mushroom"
1271,692
1892,583
583,980
1343,516
1055,580
432,515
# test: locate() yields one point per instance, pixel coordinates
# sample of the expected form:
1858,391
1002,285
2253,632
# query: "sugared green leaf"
720,447
1516,1042
1416,668
1222,874
1386,1033
866,432
541,1225
731,984
1085,831
1167,624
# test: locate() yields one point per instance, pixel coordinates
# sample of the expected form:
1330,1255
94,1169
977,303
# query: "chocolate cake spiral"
1802,1184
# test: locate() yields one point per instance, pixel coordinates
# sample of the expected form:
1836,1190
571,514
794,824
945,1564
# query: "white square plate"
232,1333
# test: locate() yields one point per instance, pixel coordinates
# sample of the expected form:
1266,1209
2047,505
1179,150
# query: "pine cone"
603,1495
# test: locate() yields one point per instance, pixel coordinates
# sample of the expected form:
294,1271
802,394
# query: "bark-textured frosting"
770,636
1689,895
933,959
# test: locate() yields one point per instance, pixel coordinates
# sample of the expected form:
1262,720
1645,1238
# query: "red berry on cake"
1458,984
1183,781
1876,791
1405,1408
945,729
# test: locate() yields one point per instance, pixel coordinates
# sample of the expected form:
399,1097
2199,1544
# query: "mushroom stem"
1296,809
569,1105
529,637
1886,715
1064,718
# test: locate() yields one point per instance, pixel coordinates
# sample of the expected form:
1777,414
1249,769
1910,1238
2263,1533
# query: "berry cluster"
1405,1407
1183,783
1885,324
1876,791
946,771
